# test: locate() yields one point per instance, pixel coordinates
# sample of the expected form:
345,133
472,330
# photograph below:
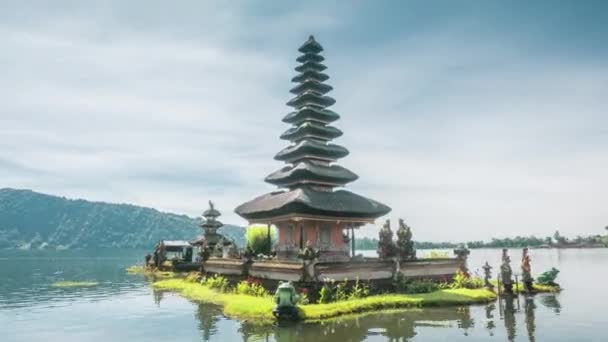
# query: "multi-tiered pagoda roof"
210,223
310,174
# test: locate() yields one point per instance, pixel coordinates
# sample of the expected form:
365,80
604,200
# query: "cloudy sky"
471,119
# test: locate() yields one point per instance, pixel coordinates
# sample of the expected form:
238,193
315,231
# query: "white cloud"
464,137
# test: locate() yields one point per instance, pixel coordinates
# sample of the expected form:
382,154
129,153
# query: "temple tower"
309,208
210,226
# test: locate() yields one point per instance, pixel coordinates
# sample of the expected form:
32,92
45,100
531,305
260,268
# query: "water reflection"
551,302
490,325
400,326
396,326
28,277
208,316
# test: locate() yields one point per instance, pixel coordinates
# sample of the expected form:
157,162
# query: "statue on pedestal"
285,299
526,271
462,253
487,271
506,273
309,256
405,245
386,246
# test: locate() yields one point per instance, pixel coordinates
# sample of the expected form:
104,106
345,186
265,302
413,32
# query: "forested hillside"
31,220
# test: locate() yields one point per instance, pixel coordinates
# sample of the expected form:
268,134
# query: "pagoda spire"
311,155
210,223
310,174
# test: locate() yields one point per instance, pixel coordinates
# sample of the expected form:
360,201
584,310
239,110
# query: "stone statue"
309,256
487,271
405,245
285,299
526,271
506,273
309,253
386,246
462,253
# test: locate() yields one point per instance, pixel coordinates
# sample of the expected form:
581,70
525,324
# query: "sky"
470,119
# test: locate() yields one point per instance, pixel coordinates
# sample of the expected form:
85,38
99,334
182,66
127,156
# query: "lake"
125,308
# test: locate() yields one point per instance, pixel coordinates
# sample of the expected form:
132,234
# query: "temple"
210,225
308,209
315,216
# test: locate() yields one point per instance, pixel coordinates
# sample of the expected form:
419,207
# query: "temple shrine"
308,210
315,216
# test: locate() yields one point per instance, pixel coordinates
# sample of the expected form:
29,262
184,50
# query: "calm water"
124,307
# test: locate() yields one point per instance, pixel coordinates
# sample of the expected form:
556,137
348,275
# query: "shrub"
251,287
337,292
548,277
216,282
403,285
303,296
257,239
438,255
326,294
359,290
464,281
193,277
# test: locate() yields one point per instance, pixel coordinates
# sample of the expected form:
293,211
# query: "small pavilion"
310,207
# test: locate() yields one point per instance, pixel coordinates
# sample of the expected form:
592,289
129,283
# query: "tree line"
557,240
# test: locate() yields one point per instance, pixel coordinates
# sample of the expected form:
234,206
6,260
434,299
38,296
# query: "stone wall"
369,269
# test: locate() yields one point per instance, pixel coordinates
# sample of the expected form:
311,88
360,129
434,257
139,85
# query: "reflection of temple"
529,307
551,302
208,315
158,296
398,326
509,317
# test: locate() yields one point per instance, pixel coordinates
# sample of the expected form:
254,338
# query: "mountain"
31,220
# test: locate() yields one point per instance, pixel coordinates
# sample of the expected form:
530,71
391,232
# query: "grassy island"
260,308
75,284
539,288
150,272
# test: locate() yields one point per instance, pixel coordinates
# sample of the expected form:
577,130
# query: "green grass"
150,272
519,288
395,301
260,308
75,284
235,305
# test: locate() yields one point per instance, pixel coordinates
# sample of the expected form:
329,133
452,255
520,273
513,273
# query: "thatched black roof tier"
306,201
311,46
211,212
307,172
311,85
311,98
311,65
310,57
311,173
311,130
311,149
211,224
305,114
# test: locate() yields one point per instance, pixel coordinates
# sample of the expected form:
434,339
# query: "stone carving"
526,271
506,273
386,246
462,253
285,299
405,245
487,271
309,255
